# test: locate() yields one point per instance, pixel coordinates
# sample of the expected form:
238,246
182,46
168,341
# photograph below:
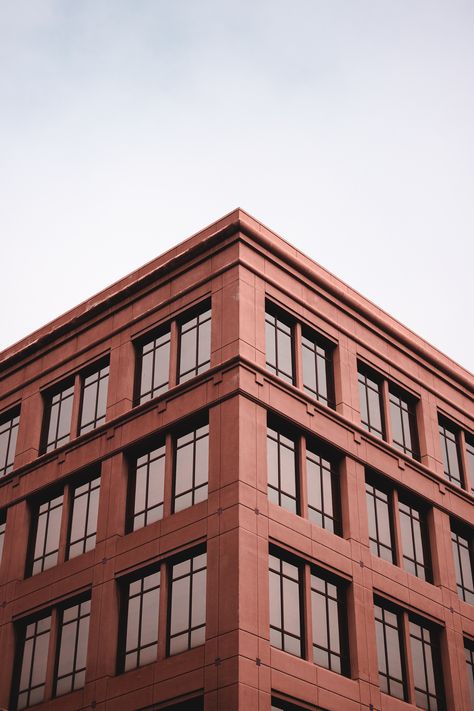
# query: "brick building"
229,481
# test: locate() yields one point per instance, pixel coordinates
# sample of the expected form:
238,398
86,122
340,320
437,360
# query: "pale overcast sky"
345,126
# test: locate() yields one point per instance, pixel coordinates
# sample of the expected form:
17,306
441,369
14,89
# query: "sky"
346,126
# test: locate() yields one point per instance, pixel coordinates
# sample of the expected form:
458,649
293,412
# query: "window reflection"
154,361
46,540
279,345
58,418
194,345
191,468
73,638
94,399
8,436
34,659
187,623
370,402
281,464
83,528
285,610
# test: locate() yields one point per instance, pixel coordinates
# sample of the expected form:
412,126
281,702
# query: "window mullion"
76,406
396,527
53,652
307,613
461,442
174,354
386,424
297,355
66,518
302,476
170,453
408,659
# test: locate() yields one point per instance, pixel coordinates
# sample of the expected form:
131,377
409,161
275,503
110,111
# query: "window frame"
319,342
187,555
95,368
68,384
195,312
10,422
463,440
187,428
164,329
124,590
280,316
460,530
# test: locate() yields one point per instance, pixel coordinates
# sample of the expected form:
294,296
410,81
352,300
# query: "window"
470,460
8,434
3,525
147,487
58,418
285,606
403,422
154,366
323,488
463,561
46,534
195,345
469,652
187,622
94,398
73,637
196,704
426,664
85,505
450,451
411,548
191,468
278,705
317,367
370,393
34,659
390,646
329,636
279,344
281,463
142,602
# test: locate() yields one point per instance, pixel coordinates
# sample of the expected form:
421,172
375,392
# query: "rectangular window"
463,562
469,652
195,345
380,523
370,393
94,399
416,559
147,487
403,422
329,634
191,468
8,435
286,629
154,366
279,345
140,621
450,451
278,705
34,658
470,461
187,616
390,646
426,665
83,528
281,463
72,647
58,418
317,367
3,525
323,489
47,528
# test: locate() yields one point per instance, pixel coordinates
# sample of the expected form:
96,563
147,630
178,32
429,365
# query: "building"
228,481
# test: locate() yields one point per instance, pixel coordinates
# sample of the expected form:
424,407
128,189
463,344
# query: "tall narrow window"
187,622
285,606
279,345
416,559
323,489
463,562
388,628
83,529
426,666
380,526
329,635
3,525
58,418
34,659
403,422
370,394
194,345
94,399
281,463
47,530
470,461
147,487
191,468
154,366
73,637
449,448
469,652
317,367
141,621
8,434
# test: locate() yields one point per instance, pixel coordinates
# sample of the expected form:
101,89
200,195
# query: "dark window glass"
83,529
154,367
191,468
73,638
278,705
317,367
47,531
469,652
329,624
470,460
403,421
388,629
463,562
187,622
414,541
3,526
34,659
194,346
196,704
426,666
370,393
58,418
8,434
147,488
449,448
285,606
323,490
141,621
279,346
281,464
380,525
94,399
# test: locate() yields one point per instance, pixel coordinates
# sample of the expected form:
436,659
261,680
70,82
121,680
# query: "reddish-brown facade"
239,267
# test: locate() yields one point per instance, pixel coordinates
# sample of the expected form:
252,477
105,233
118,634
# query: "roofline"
238,221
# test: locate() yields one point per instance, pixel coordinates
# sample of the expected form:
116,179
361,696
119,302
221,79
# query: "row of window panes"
138,638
